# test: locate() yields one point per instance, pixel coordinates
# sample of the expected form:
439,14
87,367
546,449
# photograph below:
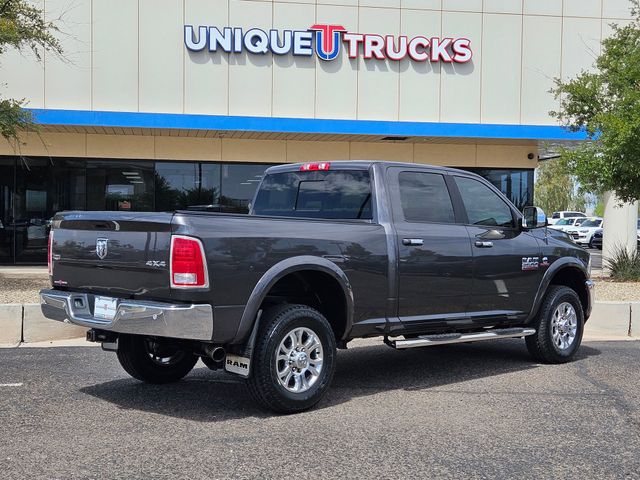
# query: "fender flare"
280,270
557,266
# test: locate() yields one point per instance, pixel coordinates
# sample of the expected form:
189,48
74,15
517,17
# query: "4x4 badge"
101,248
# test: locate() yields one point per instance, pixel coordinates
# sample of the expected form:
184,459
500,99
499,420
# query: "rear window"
338,194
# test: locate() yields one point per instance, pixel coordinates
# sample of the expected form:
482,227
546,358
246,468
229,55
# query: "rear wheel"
559,327
153,362
294,359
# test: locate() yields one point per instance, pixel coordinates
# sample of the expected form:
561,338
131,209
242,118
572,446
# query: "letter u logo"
328,40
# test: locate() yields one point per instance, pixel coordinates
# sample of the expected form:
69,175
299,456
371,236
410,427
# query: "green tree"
606,104
556,188
22,26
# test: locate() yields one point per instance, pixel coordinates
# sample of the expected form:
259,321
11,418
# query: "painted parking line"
11,384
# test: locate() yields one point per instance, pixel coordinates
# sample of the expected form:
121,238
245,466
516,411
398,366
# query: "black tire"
599,247
263,382
137,356
590,243
541,345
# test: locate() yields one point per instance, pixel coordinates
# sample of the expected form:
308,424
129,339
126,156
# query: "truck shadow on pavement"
212,396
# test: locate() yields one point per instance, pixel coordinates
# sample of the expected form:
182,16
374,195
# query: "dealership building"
173,104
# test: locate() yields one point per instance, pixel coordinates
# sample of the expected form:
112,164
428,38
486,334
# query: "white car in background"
569,223
556,216
583,234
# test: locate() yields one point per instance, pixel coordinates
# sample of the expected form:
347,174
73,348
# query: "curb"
614,319
25,324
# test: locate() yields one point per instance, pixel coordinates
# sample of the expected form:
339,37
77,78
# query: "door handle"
481,244
412,242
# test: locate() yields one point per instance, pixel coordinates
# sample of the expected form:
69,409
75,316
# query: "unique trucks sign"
326,41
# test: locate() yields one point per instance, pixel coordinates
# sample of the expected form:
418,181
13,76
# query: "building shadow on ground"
212,396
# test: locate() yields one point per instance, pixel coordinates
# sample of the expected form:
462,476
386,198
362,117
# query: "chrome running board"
448,338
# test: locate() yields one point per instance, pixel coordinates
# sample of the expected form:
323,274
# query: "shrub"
624,265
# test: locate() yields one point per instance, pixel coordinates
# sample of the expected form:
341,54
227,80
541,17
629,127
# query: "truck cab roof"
357,165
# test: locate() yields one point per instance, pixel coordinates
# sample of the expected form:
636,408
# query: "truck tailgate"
121,254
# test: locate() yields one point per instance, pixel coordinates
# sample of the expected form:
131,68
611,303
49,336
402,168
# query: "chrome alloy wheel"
564,326
299,360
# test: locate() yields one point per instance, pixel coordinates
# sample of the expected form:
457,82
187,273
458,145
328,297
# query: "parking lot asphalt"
464,411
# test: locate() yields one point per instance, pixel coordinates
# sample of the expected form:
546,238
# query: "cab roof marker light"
314,167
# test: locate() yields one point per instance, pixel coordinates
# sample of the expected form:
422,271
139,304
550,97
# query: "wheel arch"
304,268
569,272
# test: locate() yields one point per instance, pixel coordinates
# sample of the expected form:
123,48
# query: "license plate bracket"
105,308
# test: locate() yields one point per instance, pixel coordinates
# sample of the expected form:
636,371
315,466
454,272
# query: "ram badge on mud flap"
237,364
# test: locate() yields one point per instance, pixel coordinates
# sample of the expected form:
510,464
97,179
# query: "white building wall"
128,55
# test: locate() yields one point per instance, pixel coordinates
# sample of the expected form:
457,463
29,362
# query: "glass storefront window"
43,187
239,183
120,185
186,185
7,180
32,190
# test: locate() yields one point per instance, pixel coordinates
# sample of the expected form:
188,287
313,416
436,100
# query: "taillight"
314,167
188,263
50,253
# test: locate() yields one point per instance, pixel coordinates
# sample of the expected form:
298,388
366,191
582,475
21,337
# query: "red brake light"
188,264
314,167
50,253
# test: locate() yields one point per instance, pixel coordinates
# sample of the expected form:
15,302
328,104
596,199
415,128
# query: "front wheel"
294,359
559,327
153,362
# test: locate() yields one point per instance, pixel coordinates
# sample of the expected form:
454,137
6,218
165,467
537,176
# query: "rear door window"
339,194
424,197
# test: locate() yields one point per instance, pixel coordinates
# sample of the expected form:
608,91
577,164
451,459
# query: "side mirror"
533,217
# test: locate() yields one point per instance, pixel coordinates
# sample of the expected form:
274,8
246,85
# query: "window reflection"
186,185
43,187
7,170
239,183
120,186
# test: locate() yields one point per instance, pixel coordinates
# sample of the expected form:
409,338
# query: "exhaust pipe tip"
216,354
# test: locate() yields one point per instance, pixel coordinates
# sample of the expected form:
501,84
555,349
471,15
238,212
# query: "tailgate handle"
412,242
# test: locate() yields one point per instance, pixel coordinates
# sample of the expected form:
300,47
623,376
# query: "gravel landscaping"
21,290
609,290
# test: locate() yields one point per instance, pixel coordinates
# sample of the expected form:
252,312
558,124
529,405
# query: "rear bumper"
137,317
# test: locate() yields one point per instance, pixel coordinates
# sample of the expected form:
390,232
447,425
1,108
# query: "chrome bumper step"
449,338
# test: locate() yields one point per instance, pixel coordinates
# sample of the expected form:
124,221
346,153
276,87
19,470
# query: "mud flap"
237,364
240,363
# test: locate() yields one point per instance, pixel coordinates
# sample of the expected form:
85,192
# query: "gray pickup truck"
330,251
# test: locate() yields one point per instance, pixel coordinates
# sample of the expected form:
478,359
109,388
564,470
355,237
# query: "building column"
620,225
